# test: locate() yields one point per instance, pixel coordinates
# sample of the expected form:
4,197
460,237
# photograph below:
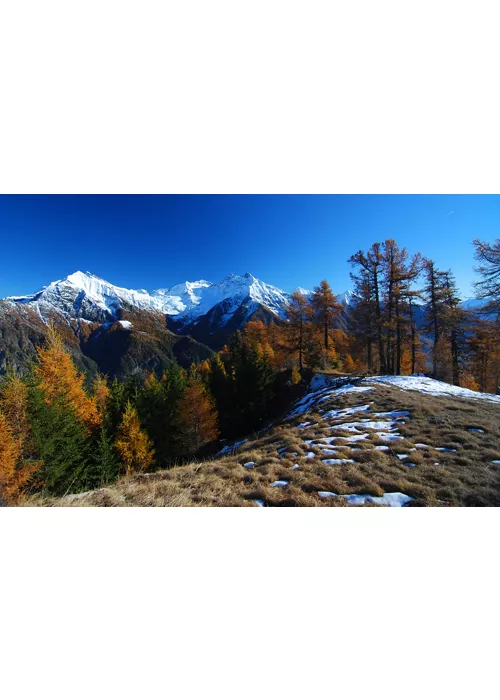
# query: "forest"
60,435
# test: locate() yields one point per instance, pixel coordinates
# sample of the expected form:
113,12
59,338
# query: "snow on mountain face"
347,298
190,300
83,295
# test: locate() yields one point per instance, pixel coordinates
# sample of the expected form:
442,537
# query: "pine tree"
253,387
62,442
107,463
197,417
133,444
157,405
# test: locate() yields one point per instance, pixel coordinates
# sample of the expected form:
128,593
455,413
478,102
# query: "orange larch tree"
197,417
14,472
60,380
101,393
133,444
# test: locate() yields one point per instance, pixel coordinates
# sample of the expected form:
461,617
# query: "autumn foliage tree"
133,444
58,379
298,326
326,309
17,465
14,474
197,417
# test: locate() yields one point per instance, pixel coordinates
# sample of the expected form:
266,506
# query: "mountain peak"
79,277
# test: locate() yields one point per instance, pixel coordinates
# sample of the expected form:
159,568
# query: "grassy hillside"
340,447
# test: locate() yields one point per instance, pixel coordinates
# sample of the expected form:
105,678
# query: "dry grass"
466,477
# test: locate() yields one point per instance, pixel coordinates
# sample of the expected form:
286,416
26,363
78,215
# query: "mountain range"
119,331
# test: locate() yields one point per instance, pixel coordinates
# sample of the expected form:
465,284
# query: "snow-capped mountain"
84,296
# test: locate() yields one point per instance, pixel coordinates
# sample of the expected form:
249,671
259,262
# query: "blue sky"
288,240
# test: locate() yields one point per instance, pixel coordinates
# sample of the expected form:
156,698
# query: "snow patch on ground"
371,424
393,500
324,393
426,385
326,494
343,412
280,484
125,324
249,465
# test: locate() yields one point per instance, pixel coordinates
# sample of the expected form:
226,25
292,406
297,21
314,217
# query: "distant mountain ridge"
84,295
122,331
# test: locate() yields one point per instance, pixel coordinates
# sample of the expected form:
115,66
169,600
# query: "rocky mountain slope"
120,331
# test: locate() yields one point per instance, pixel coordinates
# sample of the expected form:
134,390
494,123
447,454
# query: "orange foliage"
14,404
59,379
348,364
467,381
101,392
14,472
197,417
133,444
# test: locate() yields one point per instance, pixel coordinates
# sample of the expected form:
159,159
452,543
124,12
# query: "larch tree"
59,380
400,270
197,417
370,264
326,310
488,287
9,459
454,323
363,315
298,317
15,475
14,403
133,444
101,393
434,292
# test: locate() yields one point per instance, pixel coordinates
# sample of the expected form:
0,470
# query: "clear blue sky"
287,240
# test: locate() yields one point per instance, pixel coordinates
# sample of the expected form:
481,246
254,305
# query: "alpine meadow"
237,393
